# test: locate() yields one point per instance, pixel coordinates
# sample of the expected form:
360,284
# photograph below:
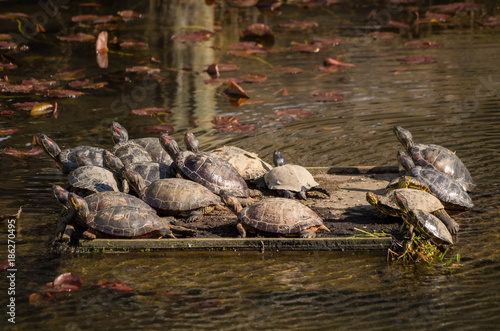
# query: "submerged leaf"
150,111
258,32
8,131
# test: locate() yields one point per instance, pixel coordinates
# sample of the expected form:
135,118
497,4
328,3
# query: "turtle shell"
444,160
446,189
248,164
130,152
279,216
429,225
290,177
213,172
126,222
176,195
416,200
94,179
151,171
150,145
68,157
107,199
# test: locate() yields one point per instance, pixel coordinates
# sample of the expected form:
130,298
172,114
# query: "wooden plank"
236,244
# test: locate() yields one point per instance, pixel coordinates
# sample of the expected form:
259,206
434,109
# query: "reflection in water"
453,102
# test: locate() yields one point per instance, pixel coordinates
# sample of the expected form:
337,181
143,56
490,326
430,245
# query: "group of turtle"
138,187
435,180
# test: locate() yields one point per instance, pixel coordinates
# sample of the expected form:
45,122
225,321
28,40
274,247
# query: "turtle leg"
307,234
241,230
450,223
183,231
288,194
165,232
302,195
193,216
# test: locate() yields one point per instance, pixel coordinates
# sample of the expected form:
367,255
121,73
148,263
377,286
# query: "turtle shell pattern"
429,225
107,199
151,146
68,157
174,195
444,160
416,200
94,179
290,177
125,222
280,216
131,153
213,172
446,189
248,164
151,171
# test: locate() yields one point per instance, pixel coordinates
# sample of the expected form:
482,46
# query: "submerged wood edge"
237,244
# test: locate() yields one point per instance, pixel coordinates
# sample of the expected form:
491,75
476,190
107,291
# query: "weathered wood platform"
354,224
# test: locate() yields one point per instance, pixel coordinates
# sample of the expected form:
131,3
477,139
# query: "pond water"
452,102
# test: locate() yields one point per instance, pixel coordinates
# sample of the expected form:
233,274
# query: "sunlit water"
453,102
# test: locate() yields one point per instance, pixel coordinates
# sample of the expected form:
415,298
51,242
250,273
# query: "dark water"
453,102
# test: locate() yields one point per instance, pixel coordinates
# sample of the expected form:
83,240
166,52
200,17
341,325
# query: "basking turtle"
290,179
149,171
175,196
248,164
151,145
436,157
132,153
417,199
445,188
93,179
66,159
424,222
209,170
275,216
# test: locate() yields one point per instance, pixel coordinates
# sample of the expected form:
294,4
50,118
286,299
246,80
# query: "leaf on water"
326,41
423,44
7,112
104,19
436,17
161,129
69,280
298,25
194,37
283,91
7,66
456,7
492,21
225,120
102,60
143,69
86,84
399,25
113,285
253,78
258,32
332,62
235,102
150,111
134,45
293,112
81,37
417,59
63,93
8,131
16,153
42,109
377,35
26,105
70,75
127,15
306,48
286,70
328,96
101,45
245,45
235,91
212,70
83,18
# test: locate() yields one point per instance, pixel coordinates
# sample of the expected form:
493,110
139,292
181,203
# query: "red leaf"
14,152
150,111
114,285
8,131
81,37
63,94
69,280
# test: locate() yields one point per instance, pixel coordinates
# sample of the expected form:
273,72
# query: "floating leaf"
134,45
437,17
113,285
249,53
104,19
16,153
258,32
253,78
332,62
456,7
150,111
127,15
86,84
325,41
26,105
298,25
101,45
283,91
143,69
82,37
213,70
63,93
83,18
42,109
417,59
293,112
6,112
69,280
492,21
235,102
70,75
235,91
225,120
287,70
194,37
7,66
399,25
328,96
423,44
245,45
161,129
306,48
382,35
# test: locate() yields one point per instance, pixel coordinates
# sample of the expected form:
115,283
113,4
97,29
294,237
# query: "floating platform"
354,224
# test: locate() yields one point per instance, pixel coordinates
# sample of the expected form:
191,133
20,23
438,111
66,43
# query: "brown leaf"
69,280
332,62
235,91
258,32
293,112
298,25
328,96
306,48
253,78
83,18
225,120
150,111
70,75
143,69
113,285
14,152
81,37
423,44
63,94
8,131
287,70
134,45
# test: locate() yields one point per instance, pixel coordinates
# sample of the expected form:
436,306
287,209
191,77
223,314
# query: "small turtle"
175,196
436,157
66,159
207,169
151,145
248,164
277,216
290,179
132,153
445,188
93,179
424,222
417,199
121,221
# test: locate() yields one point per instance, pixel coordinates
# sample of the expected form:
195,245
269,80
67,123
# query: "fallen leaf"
70,75
150,111
328,96
134,45
258,32
143,69
8,131
377,35
63,94
16,153
306,48
293,112
68,280
235,91
81,37
42,109
253,78
113,285
298,25
423,44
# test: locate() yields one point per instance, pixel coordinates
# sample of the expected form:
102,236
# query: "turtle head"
231,202
372,198
404,136
134,179
83,160
278,159
119,133
61,195
170,145
406,161
192,144
402,202
79,205
113,162
49,146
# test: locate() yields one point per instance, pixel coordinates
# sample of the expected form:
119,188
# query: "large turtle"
445,188
175,196
275,216
150,144
290,179
436,157
417,199
66,159
209,170
248,164
424,222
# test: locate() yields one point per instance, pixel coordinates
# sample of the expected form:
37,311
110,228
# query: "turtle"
121,221
423,221
207,169
275,216
435,157
445,188
175,196
150,144
149,171
66,159
290,179
417,199
132,153
248,164
91,179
